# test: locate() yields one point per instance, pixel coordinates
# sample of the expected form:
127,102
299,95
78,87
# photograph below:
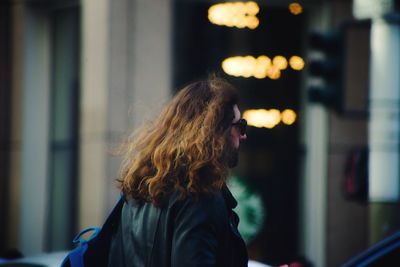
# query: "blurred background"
318,180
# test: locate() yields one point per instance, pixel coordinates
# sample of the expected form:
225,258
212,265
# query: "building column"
126,79
384,134
31,78
151,52
94,105
314,189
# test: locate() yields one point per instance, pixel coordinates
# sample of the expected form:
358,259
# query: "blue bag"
94,251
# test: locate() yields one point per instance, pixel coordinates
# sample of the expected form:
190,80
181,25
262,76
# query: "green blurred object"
250,208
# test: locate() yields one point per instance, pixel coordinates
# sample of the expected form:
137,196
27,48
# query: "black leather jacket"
184,233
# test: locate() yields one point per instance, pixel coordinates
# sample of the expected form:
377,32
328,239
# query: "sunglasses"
241,125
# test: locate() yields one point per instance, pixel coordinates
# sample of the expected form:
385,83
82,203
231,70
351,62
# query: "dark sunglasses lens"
242,126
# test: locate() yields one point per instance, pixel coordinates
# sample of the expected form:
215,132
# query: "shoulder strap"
108,226
94,250
113,218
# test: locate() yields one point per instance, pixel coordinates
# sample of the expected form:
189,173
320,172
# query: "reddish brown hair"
183,149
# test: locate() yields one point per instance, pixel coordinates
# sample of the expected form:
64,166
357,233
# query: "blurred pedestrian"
178,209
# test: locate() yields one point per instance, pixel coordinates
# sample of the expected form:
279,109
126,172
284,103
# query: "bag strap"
108,226
113,218
98,243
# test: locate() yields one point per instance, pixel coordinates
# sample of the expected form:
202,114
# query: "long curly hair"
184,149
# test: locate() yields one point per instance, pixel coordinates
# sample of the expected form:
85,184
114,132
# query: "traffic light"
325,69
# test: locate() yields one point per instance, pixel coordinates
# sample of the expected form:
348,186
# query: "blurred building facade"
77,76
70,72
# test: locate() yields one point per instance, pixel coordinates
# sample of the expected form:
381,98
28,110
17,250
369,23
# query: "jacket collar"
229,199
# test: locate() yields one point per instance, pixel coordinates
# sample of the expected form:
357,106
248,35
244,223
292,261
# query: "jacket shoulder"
211,208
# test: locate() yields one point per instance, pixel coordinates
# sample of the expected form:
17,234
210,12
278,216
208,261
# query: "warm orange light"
252,8
264,61
235,14
256,117
288,116
260,67
280,62
296,63
260,72
274,118
231,66
263,118
274,72
295,8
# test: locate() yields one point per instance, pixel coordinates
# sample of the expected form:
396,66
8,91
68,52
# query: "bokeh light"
288,116
295,8
235,14
296,63
280,62
274,72
260,67
263,118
